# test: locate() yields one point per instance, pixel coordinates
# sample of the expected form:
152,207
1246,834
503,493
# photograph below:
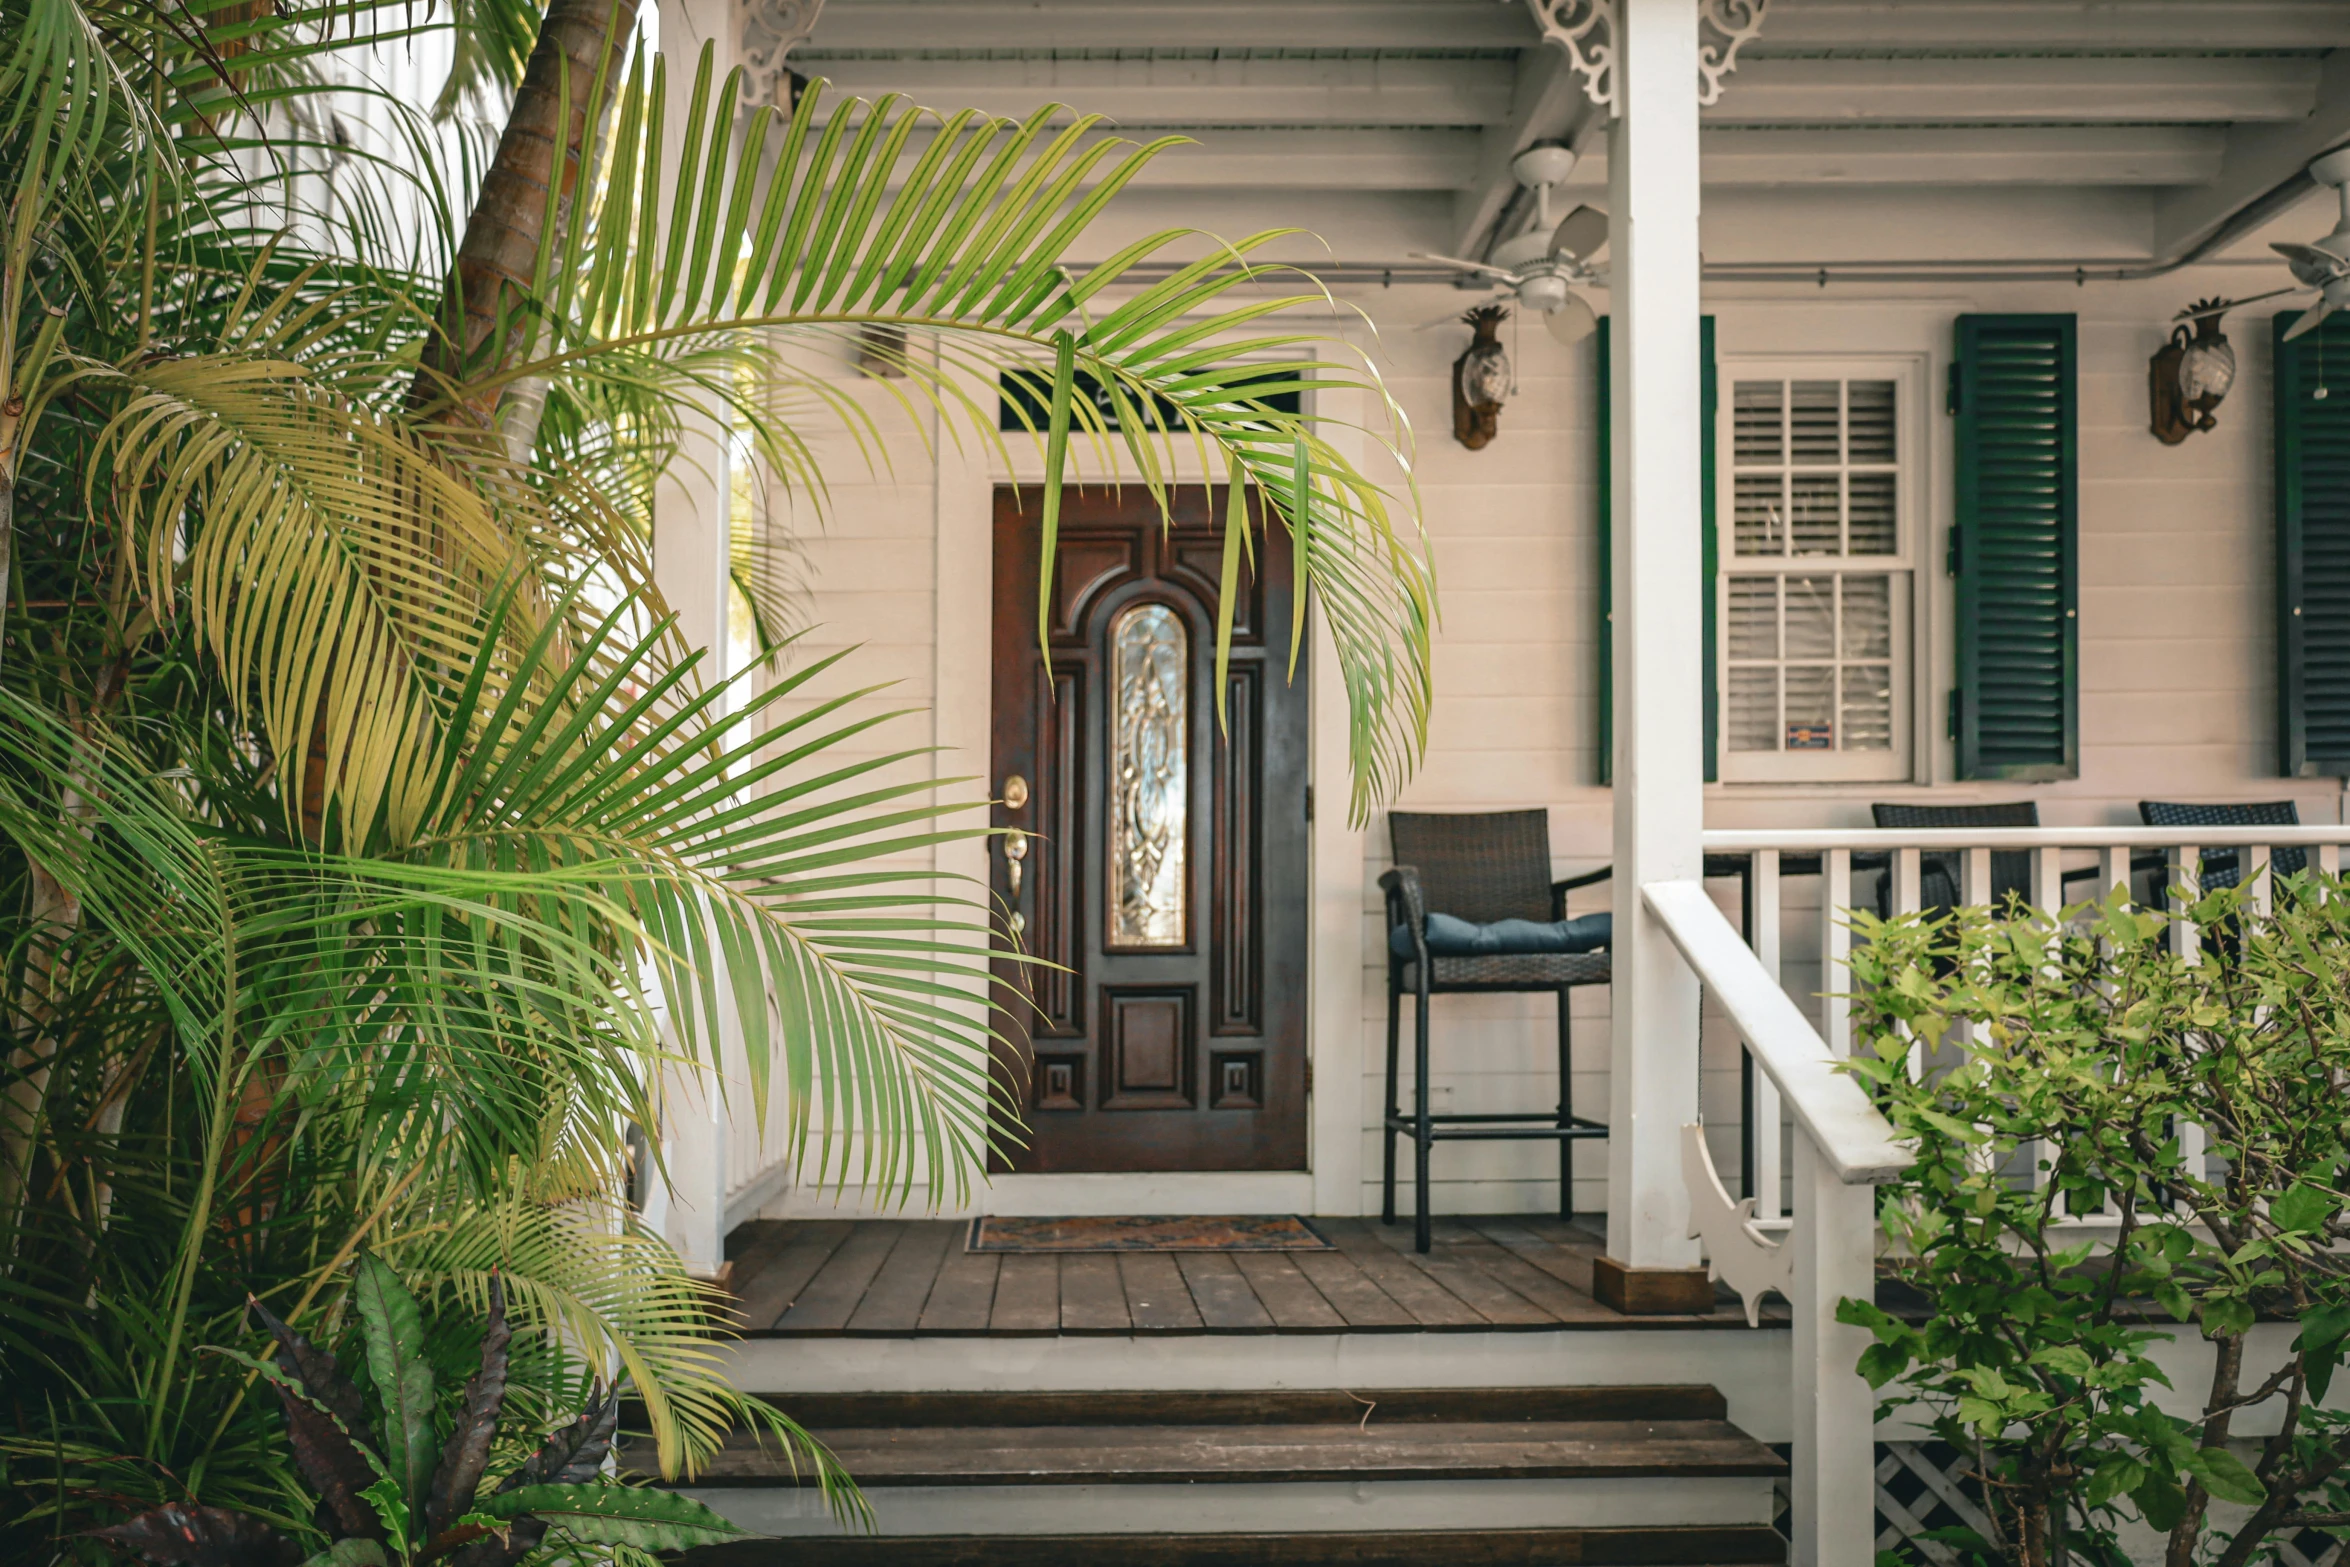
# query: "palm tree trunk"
483,325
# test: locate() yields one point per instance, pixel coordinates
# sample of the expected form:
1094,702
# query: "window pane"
1817,514
1754,617
1872,514
1755,418
1868,707
1150,779
1869,429
1754,708
1817,413
1811,617
1811,707
1868,617
1760,528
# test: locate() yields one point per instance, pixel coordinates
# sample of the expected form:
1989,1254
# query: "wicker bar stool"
1481,868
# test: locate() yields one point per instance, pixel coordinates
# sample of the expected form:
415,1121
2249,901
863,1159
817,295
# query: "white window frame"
1913,523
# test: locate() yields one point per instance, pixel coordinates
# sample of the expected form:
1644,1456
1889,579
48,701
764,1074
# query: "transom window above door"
1817,663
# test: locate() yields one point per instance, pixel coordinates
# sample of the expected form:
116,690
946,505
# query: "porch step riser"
1750,1367
1723,1547
1309,1507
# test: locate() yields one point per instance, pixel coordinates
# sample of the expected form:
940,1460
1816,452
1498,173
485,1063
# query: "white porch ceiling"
2188,107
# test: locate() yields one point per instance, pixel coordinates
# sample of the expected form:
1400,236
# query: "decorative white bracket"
768,31
1735,1250
1587,30
1590,32
1723,27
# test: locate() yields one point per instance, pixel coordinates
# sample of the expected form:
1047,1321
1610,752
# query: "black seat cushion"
1450,937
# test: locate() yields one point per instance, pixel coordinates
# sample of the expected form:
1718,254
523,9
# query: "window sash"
1802,456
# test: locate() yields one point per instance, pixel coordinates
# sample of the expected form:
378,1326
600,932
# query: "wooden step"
1274,1437
1263,1454
1719,1546
1302,1406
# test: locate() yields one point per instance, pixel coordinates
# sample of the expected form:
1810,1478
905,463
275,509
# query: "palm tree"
362,813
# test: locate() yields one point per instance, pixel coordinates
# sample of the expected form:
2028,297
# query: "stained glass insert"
1150,777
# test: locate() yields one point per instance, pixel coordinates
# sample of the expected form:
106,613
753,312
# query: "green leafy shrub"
394,1490
2057,1228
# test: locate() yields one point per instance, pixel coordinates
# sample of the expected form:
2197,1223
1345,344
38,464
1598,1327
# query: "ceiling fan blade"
1571,322
2312,266
1465,266
1581,234
2311,318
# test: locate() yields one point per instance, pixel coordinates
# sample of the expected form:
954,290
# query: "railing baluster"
2256,876
1908,876
1974,878
1836,951
2329,858
1765,1131
1908,897
2113,866
2187,942
2048,882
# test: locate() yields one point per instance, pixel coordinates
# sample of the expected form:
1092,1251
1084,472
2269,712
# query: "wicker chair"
2223,867
1485,867
1938,875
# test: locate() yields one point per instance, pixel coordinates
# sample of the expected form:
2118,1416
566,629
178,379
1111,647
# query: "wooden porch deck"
885,1278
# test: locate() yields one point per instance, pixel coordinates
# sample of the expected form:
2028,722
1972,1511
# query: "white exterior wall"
2177,679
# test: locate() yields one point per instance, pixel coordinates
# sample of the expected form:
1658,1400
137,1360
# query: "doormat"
1243,1232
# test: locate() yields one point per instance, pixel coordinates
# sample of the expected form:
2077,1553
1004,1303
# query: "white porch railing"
1842,1144
1844,1149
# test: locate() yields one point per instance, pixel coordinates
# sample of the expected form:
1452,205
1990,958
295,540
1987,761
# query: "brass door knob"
1015,792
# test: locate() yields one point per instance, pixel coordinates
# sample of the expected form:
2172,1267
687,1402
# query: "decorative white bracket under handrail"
1736,1251
1834,1113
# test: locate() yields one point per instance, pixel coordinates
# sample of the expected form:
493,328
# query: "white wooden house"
1875,265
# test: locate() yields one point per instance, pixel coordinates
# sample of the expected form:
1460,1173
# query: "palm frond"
958,231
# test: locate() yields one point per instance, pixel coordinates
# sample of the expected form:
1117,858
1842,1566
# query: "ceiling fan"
1542,267
2322,266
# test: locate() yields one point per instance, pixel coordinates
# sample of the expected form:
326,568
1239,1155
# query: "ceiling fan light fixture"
1571,322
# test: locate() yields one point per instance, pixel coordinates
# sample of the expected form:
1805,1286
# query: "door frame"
1336,903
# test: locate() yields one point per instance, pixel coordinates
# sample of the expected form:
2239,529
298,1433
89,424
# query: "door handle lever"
1015,861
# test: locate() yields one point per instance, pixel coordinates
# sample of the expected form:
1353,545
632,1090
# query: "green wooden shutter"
1707,552
2015,549
2312,410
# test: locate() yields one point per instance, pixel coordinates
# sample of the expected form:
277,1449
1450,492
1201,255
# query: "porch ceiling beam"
2020,25
2068,89
1374,158
1991,155
1547,103
1224,91
2256,160
904,25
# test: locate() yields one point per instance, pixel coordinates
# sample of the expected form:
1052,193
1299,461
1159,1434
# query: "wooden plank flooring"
897,1278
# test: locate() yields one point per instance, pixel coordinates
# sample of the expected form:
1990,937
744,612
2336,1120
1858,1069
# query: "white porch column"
690,537
1659,722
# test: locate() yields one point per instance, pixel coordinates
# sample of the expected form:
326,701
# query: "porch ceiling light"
2189,375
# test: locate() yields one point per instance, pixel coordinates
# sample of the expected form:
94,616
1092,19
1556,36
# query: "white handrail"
1830,1107
1801,840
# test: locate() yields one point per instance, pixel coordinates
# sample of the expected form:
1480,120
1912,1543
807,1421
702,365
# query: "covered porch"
1891,199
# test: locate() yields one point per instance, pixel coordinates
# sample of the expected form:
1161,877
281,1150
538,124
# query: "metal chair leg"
1566,1103
1387,1117
1423,1132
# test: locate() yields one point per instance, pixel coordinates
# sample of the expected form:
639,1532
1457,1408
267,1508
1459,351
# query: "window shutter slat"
2312,410
1708,551
2016,711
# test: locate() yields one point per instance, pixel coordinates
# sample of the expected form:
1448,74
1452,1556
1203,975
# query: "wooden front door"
1159,860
